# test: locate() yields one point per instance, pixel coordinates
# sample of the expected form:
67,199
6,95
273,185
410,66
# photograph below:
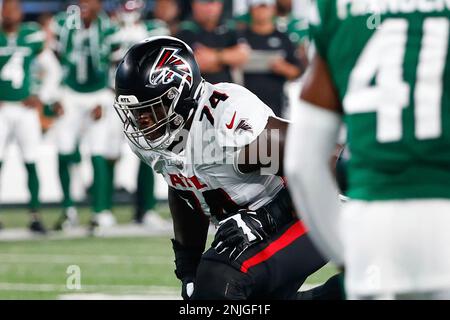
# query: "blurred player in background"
134,29
20,45
215,44
273,60
169,12
295,28
47,74
85,47
385,71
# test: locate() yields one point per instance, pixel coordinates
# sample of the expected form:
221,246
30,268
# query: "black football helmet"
158,84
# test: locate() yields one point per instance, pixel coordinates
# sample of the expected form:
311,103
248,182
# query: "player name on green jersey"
364,7
17,52
394,85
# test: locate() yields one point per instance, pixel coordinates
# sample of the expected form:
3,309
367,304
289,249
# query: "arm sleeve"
311,142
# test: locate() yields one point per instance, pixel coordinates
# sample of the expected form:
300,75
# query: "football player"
85,47
133,28
20,45
200,137
383,68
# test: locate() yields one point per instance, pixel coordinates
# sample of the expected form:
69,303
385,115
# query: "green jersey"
390,63
297,29
17,52
85,53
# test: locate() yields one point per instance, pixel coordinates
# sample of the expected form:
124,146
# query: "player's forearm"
311,142
193,238
235,56
191,231
291,71
190,227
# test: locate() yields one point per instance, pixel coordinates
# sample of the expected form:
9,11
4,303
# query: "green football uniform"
17,52
130,35
85,53
390,63
296,29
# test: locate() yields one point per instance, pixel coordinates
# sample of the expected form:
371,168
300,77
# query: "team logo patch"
169,66
244,126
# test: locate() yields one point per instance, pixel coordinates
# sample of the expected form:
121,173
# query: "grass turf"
137,266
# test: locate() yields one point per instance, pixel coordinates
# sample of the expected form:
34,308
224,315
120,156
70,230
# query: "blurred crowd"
262,45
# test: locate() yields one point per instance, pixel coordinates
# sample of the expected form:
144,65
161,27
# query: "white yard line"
83,259
100,296
154,296
105,290
119,289
120,231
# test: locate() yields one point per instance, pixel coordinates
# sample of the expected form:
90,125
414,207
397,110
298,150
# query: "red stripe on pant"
292,234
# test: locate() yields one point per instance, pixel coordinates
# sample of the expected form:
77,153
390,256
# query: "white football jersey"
228,118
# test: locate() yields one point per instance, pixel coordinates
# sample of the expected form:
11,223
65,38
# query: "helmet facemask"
153,124
158,86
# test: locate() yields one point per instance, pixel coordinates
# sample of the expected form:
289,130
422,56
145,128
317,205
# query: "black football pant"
274,269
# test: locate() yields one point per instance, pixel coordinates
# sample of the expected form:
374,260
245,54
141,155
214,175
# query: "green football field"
130,267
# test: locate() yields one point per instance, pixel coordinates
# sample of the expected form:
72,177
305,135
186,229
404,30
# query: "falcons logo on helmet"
169,66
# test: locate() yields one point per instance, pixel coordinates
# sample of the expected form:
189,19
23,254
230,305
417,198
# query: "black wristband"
187,260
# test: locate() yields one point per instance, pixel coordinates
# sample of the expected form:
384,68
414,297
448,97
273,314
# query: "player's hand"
33,102
58,109
237,233
280,66
187,288
97,113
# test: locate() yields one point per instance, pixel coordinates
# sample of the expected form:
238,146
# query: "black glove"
186,261
237,233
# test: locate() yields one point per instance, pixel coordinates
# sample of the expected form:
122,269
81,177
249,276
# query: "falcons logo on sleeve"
244,125
169,66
